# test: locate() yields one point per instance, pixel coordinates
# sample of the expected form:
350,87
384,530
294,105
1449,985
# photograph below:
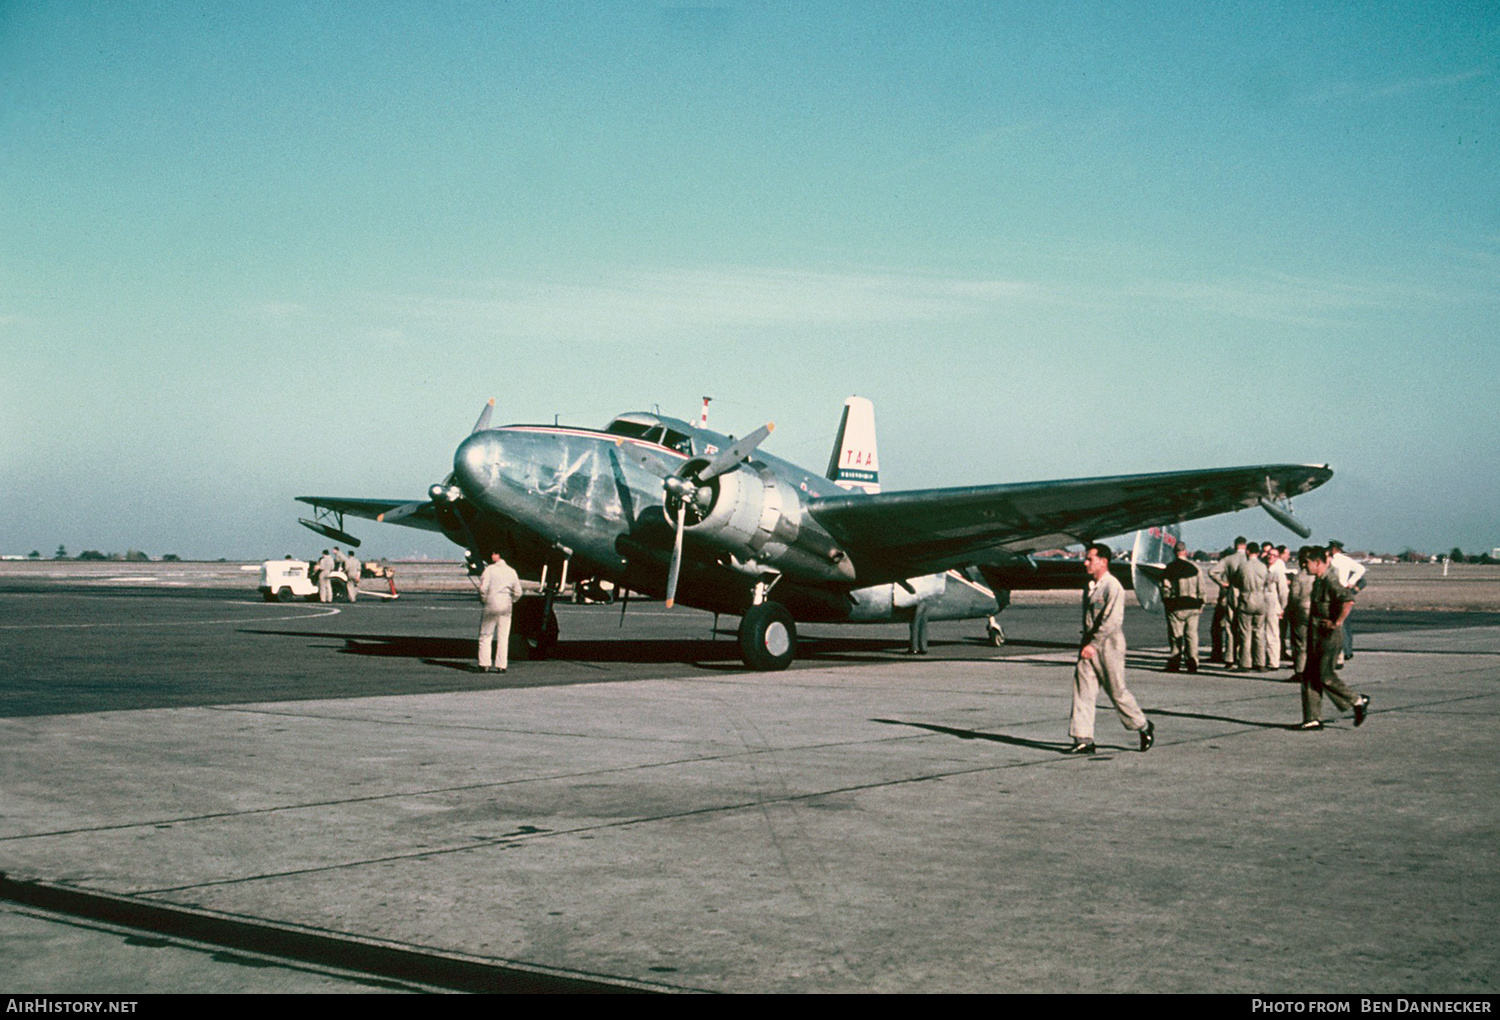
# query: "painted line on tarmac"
311,615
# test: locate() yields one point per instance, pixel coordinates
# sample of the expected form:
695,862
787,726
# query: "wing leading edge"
904,534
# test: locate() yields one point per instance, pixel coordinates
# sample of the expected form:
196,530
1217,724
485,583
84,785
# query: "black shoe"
1361,709
1192,667
1148,735
1311,725
1081,747
1173,665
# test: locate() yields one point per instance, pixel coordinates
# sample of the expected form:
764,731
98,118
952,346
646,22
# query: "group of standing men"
1260,605
329,562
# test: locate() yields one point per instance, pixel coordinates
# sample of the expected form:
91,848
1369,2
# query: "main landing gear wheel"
768,637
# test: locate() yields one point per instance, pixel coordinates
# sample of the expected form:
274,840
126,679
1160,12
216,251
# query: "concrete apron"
902,827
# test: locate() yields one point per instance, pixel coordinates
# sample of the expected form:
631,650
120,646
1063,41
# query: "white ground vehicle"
288,580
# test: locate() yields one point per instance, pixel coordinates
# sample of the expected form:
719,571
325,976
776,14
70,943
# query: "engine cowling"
757,519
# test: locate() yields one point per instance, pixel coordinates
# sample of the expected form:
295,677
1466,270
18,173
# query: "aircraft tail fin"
1154,549
854,463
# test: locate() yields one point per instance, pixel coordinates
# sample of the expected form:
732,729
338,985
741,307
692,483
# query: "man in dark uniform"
1182,598
1331,605
1299,611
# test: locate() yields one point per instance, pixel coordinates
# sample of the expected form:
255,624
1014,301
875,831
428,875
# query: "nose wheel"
768,637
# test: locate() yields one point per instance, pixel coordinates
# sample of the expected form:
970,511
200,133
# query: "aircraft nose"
477,462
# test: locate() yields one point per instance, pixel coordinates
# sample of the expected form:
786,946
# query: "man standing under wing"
499,587
1103,657
1182,598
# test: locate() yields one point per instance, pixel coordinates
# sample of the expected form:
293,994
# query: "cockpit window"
678,441
634,429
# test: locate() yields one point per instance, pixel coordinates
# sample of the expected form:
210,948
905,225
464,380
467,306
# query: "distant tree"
35,554
92,554
61,554
170,558
1457,555
136,556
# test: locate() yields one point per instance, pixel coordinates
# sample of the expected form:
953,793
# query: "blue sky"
250,251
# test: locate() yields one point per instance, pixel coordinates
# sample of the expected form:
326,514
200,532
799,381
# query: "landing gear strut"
536,626
536,620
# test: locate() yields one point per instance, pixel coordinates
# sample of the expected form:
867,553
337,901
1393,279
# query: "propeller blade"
404,510
644,459
736,453
676,567
484,417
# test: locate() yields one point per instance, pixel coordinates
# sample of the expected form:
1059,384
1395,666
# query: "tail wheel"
768,637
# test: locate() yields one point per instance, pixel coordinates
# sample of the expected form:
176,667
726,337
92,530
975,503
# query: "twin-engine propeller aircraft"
670,508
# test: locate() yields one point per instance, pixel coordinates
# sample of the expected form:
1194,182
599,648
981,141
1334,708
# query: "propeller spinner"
688,488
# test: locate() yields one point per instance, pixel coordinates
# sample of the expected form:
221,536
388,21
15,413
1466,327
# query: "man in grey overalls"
1248,579
1102,657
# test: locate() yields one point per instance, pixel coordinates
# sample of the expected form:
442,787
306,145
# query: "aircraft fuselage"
543,494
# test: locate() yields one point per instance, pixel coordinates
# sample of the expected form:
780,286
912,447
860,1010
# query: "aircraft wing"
418,514
894,535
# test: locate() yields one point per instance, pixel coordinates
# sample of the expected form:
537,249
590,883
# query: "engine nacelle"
757,519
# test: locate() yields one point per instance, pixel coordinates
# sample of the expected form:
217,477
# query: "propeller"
445,490
687,485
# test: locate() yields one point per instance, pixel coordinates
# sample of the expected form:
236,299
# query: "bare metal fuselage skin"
542,495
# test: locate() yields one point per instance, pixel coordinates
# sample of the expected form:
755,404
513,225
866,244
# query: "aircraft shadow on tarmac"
705,653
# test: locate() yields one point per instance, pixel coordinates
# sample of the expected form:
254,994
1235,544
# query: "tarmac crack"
437,791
